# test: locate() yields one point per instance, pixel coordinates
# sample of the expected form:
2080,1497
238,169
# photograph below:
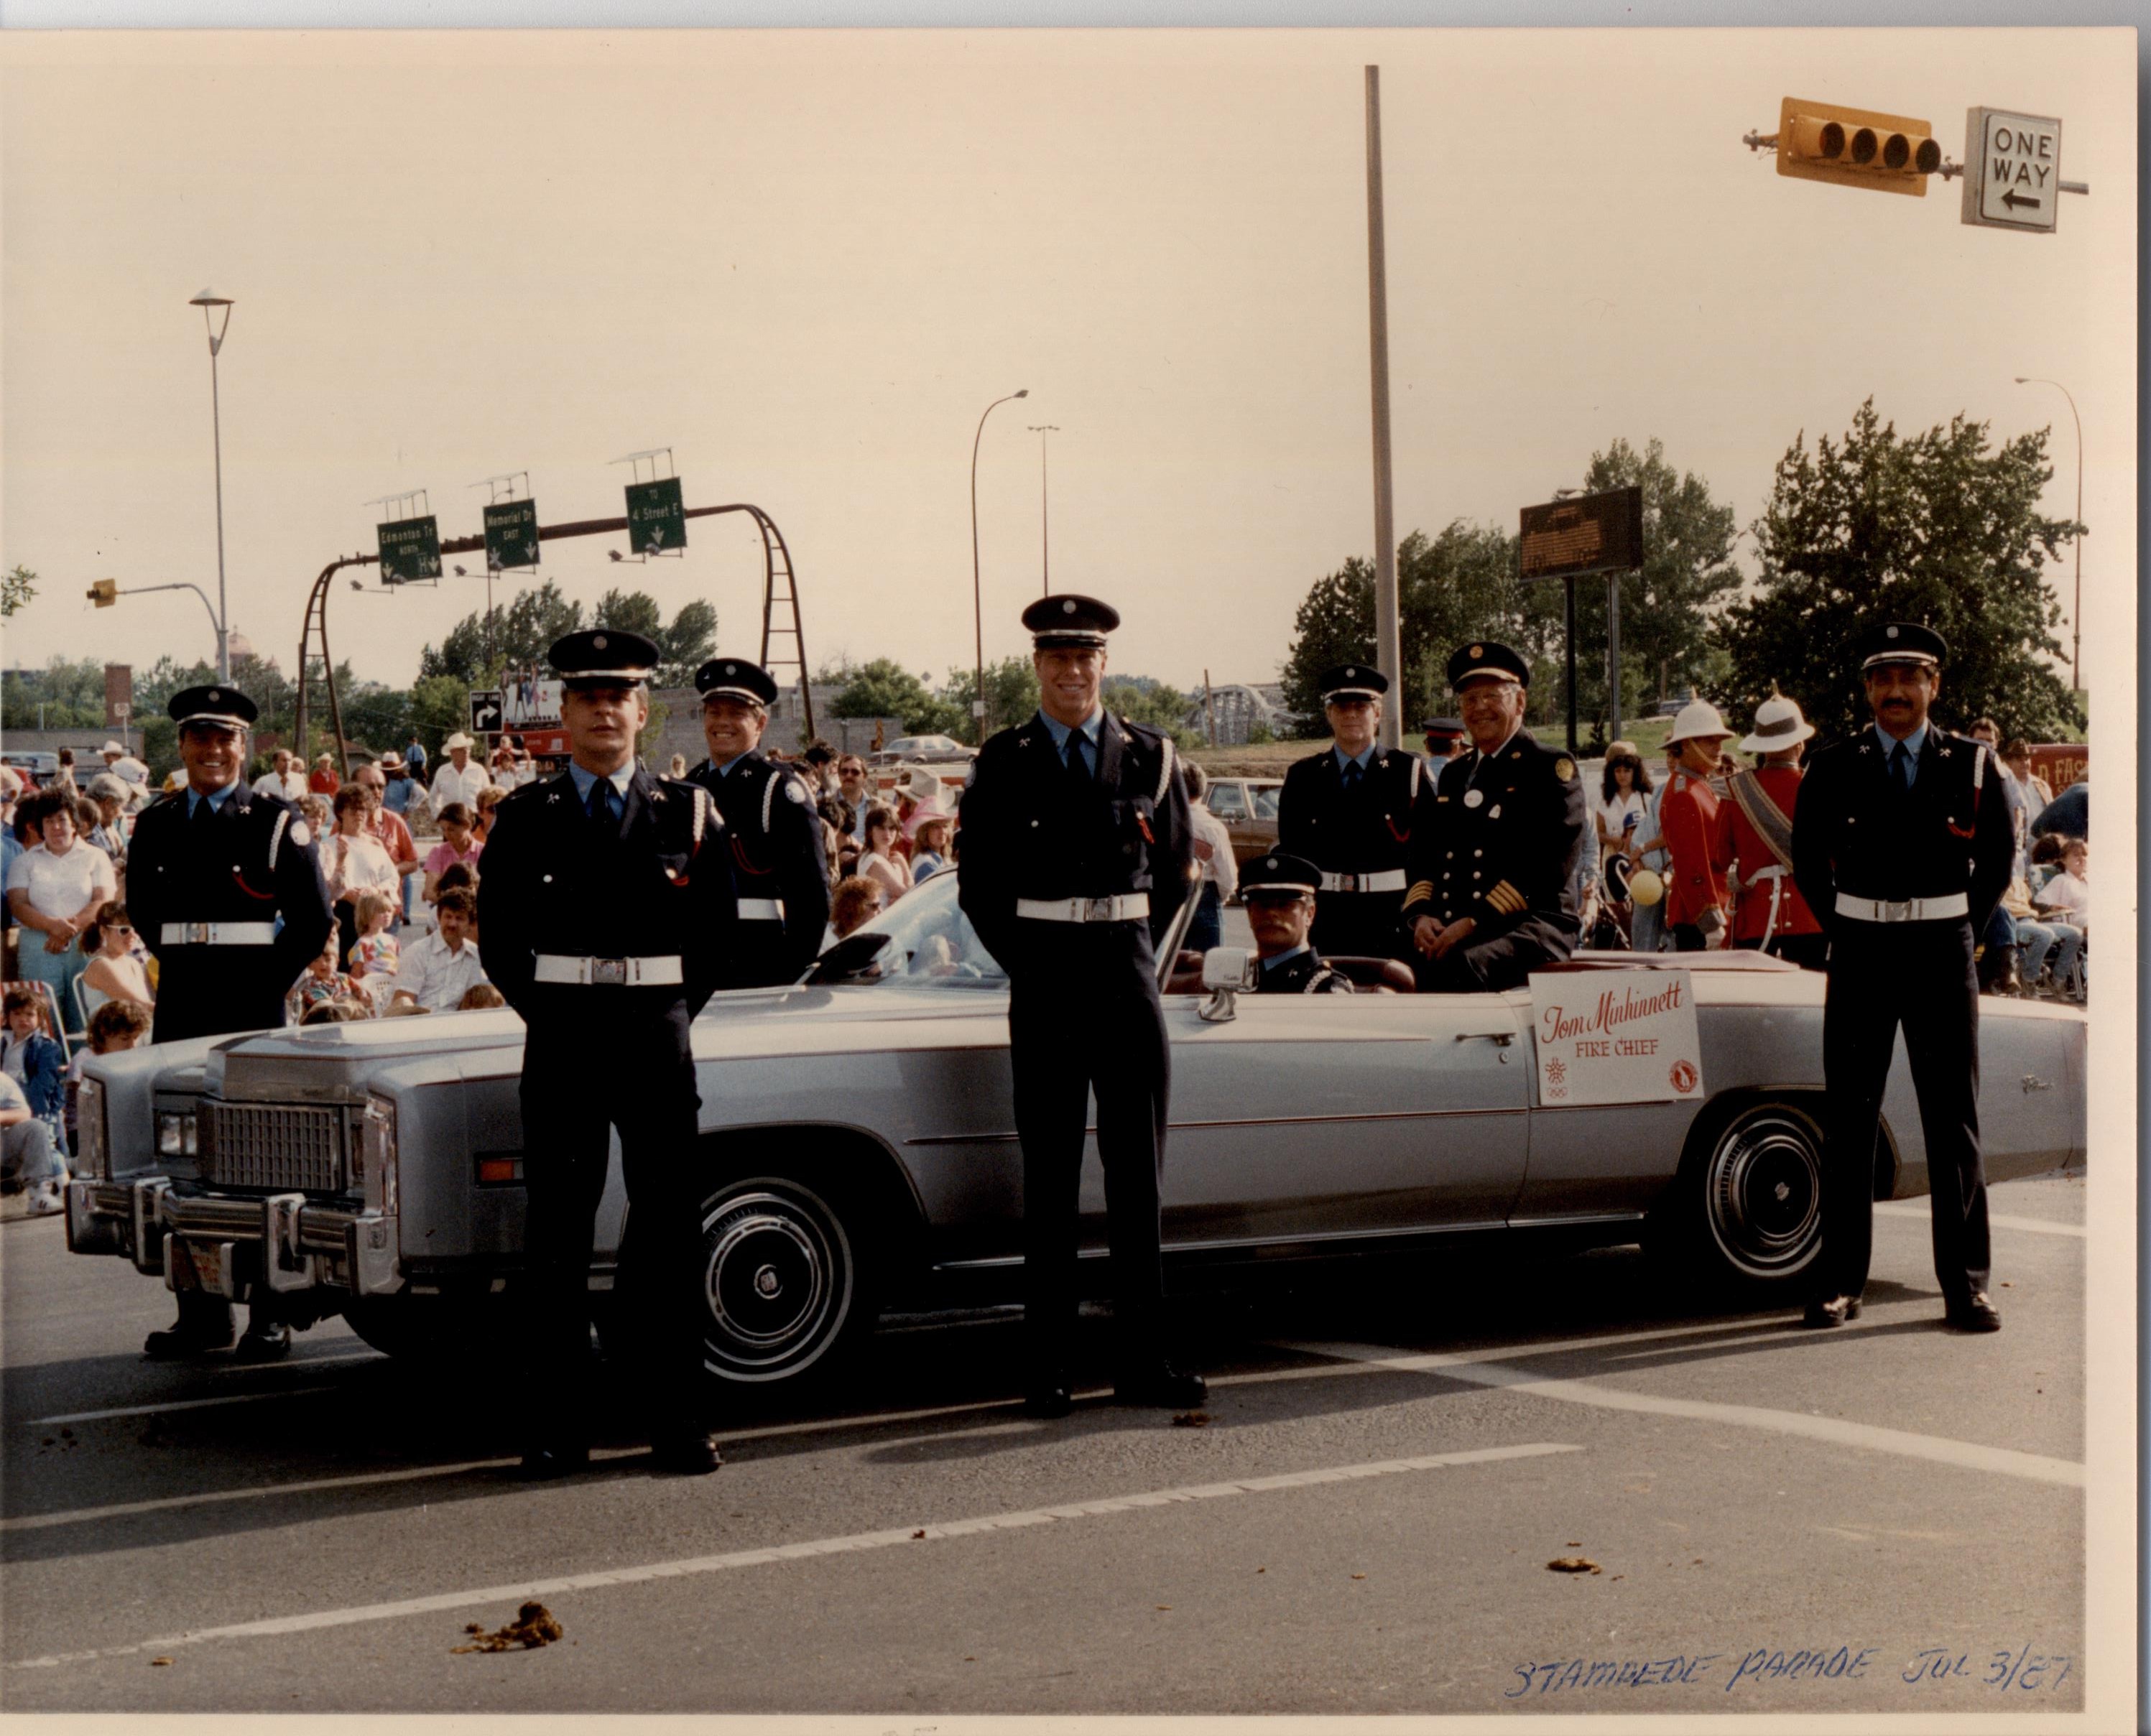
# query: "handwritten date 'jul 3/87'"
2018,1668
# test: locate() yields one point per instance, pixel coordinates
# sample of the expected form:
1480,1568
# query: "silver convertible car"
859,1152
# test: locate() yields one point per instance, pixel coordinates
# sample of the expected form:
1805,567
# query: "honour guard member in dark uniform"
1493,877
606,917
212,870
1075,853
1352,812
1279,892
1901,845
774,829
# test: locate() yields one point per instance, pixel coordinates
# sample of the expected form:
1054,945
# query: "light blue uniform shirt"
1090,727
617,801
1914,745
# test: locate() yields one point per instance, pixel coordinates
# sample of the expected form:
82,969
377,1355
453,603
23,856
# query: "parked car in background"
923,750
1248,806
37,767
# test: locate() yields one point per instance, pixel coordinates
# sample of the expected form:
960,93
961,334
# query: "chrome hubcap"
1765,1201
777,1282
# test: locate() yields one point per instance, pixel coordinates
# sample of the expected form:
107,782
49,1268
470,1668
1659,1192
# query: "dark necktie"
204,813
1352,769
1078,767
1900,769
601,802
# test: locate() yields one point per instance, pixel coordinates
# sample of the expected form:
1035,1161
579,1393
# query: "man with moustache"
1353,812
1076,854
606,917
1278,891
774,829
213,872
1901,845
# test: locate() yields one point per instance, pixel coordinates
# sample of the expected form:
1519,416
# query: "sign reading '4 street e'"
2012,177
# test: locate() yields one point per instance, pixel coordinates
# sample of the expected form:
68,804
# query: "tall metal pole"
1389,644
206,300
978,599
1614,651
1568,617
1044,550
2076,613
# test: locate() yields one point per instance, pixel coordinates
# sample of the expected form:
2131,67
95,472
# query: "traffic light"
1855,147
105,593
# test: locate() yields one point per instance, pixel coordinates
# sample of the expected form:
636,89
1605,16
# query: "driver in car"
1492,896
1278,891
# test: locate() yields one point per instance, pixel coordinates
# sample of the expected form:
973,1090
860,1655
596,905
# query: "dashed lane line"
856,1542
2035,1467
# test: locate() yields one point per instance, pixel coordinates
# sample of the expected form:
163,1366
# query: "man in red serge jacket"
1754,840
1688,827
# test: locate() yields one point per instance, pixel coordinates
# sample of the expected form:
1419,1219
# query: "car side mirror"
1226,970
856,958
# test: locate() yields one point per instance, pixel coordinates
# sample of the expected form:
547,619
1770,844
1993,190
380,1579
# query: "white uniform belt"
1126,907
1774,871
1908,910
615,972
218,934
1386,879
762,910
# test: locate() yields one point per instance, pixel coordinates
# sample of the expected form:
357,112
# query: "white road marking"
1999,1220
854,1543
229,1398
2037,1467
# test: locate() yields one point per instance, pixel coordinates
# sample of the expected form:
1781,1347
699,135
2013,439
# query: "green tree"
72,694
1011,695
1144,700
689,643
883,688
1940,528
440,705
523,630
18,584
629,612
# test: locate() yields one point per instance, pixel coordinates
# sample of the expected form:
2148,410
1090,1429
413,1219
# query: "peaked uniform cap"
1279,874
1067,619
220,707
734,678
1483,657
1902,642
1699,718
1778,725
1352,681
604,654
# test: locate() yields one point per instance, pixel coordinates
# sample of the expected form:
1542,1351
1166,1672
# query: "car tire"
1746,1209
786,1278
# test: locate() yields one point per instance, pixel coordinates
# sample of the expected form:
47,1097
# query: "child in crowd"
2067,897
115,1025
932,856
479,996
373,959
460,846
322,982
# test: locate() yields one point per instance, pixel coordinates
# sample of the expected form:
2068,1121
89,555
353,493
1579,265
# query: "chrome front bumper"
285,1242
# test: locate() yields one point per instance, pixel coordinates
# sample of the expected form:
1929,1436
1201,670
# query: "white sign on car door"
1616,1036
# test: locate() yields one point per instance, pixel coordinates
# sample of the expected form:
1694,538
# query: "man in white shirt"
2067,896
460,779
280,779
437,972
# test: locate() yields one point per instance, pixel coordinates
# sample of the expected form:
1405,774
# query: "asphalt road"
1887,1518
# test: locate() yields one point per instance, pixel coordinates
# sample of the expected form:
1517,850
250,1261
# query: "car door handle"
1503,1037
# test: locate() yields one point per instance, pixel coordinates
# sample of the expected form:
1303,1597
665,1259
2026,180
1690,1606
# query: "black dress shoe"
1834,1312
1163,1386
264,1343
1049,1401
1976,1315
179,1341
552,1459
685,1451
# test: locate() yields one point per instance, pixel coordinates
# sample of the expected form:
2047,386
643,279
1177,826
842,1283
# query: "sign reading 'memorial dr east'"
2012,177
511,534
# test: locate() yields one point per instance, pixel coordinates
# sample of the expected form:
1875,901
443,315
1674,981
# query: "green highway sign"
410,549
656,517
511,534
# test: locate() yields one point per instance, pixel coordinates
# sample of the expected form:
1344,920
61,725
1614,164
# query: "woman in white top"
54,889
1623,806
880,862
113,972
355,861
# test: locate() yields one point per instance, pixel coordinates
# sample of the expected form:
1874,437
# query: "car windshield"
928,940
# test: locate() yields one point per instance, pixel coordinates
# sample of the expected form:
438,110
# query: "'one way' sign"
2012,176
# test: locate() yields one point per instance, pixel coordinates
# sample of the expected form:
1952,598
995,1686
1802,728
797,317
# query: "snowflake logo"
1557,1071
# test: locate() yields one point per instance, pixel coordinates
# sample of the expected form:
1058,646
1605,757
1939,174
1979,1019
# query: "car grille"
266,1145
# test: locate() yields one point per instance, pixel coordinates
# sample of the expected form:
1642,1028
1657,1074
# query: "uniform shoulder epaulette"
522,792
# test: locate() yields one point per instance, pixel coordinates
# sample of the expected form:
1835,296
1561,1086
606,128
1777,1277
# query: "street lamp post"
2076,614
978,602
1045,544
205,300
